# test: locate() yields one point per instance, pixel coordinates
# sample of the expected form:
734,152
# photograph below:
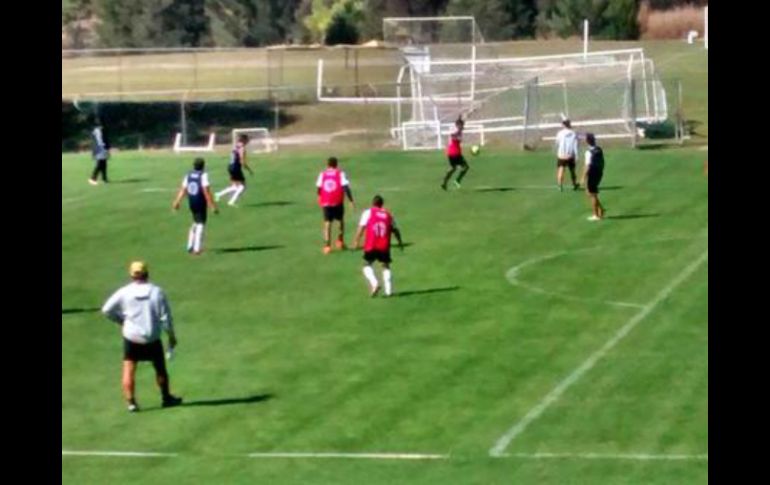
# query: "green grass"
447,371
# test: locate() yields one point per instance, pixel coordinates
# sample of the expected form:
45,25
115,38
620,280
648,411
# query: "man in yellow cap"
142,310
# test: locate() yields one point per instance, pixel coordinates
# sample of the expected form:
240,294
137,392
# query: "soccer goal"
179,148
260,140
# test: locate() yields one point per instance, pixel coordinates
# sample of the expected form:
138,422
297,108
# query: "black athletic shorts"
236,173
457,160
152,352
375,255
200,216
569,162
334,212
593,181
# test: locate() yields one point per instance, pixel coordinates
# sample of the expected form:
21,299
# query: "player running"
235,168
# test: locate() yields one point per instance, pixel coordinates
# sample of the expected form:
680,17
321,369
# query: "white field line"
157,189
607,456
365,456
127,454
519,427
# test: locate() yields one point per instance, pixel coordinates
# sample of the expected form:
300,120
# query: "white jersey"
143,311
365,219
566,144
204,180
343,179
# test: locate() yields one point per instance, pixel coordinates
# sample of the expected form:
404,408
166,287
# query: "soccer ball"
475,149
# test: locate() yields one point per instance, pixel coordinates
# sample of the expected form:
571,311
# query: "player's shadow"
632,216
244,249
610,187
129,181
496,189
256,398
271,203
67,311
228,401
424,292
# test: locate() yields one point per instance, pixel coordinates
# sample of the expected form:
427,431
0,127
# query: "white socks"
195,238
369,274
238,191
386,280
372,279
224,192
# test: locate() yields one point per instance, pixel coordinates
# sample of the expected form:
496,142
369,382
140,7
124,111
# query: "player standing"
593,170
378,224
454,154
333,186
196,187
566,153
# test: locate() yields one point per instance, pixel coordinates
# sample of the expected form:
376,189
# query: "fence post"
679,114
632,93
183,119
276,123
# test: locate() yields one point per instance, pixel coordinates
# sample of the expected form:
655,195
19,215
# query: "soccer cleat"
374,291
443,187
340,244
93,182
594,218
576,187
133,407
327,249
171,401
457,184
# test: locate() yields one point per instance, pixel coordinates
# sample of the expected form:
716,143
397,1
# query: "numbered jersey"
331,182
194,183
379,225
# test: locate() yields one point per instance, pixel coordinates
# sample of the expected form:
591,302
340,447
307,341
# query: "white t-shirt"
204,180
143,311
343,178
588,158
365,218
566,144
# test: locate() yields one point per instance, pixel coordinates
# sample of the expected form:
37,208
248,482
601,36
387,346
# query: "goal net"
260,140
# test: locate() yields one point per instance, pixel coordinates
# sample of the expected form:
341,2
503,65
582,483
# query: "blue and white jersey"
100,147
235,158
195,183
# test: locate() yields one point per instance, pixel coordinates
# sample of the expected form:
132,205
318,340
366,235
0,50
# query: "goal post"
260,140
179,148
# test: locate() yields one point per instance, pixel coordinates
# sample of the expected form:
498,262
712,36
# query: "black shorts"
592,184
334,212
152,352
236,173
375,255
457,160
200,216
570,162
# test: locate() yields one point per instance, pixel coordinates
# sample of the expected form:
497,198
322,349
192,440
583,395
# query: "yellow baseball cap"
137,268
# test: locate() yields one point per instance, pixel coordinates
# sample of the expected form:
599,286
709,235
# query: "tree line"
254,23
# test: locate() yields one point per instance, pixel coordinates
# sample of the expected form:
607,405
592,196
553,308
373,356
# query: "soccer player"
195,185
235,168
378,224
333,186
566,153
593,170
100,150
142,311
454,153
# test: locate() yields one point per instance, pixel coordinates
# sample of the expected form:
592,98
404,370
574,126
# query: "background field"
281,349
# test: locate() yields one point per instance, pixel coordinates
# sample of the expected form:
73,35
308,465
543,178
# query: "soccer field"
524,344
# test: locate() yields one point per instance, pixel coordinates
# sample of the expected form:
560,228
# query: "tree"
609,19
251,22
152,23
344,15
